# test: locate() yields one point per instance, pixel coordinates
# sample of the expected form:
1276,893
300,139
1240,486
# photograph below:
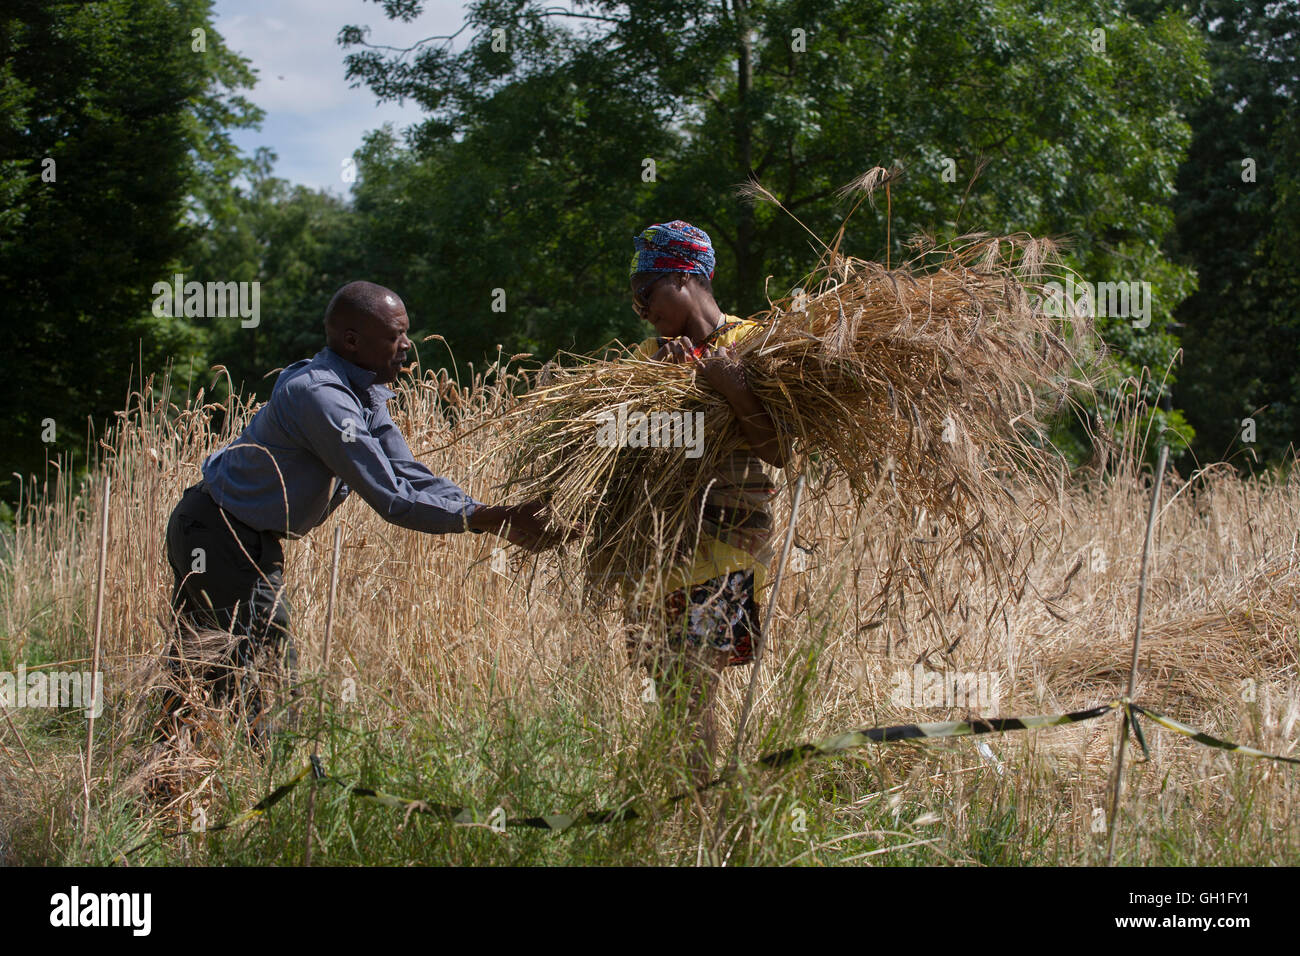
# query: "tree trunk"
747,292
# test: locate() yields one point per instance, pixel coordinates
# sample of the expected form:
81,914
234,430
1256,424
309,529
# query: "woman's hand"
719,366
723,371
677,351
726,373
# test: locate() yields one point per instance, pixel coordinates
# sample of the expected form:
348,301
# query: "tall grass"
465,681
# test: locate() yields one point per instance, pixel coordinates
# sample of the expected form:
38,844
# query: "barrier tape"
826,747
256,810
1203,738
936,731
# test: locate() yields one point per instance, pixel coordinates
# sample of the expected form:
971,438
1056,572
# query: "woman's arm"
725,373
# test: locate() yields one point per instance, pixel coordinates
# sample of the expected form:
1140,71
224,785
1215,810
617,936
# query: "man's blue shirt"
326,417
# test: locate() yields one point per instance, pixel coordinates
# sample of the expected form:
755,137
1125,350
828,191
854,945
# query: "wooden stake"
767,624
734,762
95,689
1133,666
320,696
10,721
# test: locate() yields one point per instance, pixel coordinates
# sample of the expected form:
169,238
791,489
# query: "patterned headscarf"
675,246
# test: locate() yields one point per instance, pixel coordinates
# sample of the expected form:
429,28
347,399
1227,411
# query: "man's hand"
523,525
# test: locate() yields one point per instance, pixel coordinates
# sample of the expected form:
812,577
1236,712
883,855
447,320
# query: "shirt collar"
361,380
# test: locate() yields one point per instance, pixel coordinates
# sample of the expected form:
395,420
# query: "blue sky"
313,120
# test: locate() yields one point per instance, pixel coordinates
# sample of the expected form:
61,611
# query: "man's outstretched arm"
401,490
519,524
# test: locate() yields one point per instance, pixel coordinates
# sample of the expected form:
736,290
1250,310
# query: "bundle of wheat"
925,382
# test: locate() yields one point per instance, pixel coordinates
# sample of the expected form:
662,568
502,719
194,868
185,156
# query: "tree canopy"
553,135
1155,140
116,147
1237,215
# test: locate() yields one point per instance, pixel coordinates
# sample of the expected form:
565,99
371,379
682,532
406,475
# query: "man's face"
379,341
663,300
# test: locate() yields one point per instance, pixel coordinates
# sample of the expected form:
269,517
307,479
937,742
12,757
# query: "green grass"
863,808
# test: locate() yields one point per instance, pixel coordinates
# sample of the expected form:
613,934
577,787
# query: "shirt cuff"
470,508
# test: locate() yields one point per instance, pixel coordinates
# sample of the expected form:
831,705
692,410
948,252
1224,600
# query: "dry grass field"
467,680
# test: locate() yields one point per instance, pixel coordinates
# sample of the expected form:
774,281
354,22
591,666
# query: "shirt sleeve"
402,491
400,458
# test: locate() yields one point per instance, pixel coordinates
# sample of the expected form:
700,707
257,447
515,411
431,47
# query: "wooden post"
767,624
768,617
95,689
320,696
1133,667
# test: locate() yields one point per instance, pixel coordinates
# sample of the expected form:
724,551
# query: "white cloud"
313,120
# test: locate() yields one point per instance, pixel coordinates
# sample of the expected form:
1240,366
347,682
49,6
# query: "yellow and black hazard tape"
936,731
456,814
828,746
256,810
1200,737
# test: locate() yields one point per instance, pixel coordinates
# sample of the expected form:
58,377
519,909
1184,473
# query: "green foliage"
299,245
136,123
1240,329
524,184
527,176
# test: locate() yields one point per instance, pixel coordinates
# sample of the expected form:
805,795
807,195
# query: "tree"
300,246
1237,226
116,118
527,175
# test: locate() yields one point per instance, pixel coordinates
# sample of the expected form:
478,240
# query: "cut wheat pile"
926,384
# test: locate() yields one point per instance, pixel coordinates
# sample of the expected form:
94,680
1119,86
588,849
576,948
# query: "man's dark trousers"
240,587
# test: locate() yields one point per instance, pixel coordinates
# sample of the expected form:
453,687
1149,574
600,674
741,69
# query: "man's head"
671,275
367,325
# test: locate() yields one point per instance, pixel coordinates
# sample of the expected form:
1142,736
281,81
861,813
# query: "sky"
313,120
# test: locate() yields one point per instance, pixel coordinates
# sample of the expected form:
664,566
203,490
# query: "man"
324,433
709,612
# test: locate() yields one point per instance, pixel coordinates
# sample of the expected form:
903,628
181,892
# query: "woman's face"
663,300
